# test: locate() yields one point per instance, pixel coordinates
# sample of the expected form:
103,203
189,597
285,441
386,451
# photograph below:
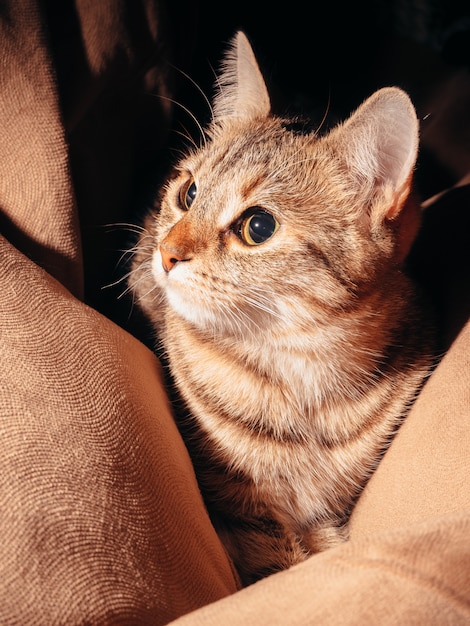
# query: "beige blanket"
101,521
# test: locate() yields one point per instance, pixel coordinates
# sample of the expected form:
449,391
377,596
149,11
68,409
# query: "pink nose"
169,258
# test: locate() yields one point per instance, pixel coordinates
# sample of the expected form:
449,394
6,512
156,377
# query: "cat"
272,268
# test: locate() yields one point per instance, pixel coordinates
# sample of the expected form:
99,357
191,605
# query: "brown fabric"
414,577
100,516
36,195
101,521
426,473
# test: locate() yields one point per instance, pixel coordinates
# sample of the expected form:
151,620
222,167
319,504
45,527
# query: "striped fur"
296,358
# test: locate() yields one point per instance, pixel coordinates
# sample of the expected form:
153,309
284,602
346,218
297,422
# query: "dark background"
329,56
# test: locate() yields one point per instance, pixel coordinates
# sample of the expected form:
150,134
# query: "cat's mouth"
214,303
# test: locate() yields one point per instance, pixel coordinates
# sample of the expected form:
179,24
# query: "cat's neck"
345,354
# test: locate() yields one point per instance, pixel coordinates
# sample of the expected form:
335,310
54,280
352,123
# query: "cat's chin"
206,311
189,311
201,315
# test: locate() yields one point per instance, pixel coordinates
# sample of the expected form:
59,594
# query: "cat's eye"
256,226
187,194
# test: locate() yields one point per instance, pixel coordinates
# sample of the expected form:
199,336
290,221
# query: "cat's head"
268,225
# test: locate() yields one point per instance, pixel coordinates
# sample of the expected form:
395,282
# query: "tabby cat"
273,272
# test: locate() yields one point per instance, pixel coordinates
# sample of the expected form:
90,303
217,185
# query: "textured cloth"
101,519
415,577
100,515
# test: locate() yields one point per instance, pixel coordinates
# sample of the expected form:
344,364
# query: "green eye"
187,194
257,226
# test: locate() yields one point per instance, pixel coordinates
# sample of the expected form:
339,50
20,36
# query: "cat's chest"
250,424
257,399
249,383
262,416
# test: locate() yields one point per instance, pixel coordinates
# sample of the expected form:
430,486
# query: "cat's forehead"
258,150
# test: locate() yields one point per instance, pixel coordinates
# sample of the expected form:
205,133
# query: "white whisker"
190,114
129,226
258,304
187,137
198,87
325,115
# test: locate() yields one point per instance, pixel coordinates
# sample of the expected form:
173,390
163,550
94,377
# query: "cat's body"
273,273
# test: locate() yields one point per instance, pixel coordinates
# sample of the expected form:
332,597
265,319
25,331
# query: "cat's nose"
170,258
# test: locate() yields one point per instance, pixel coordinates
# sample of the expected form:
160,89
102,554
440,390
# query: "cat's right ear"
241,90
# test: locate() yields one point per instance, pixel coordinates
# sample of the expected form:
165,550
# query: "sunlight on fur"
272,269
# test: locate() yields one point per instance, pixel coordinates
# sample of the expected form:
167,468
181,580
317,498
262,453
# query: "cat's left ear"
241,90
380,142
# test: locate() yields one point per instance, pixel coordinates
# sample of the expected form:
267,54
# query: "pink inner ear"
404,216
380,142
400,199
